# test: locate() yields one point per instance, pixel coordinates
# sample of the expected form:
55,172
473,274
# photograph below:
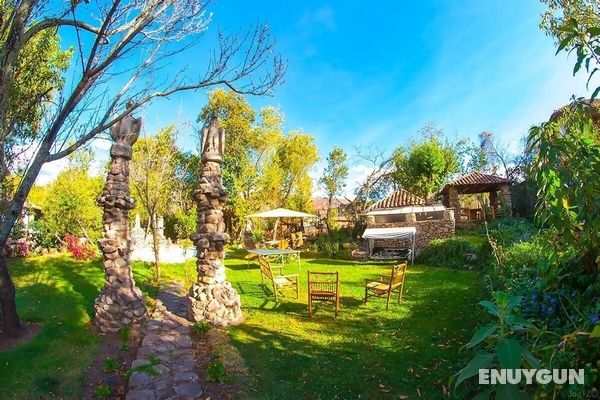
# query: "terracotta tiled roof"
475,182
477,178
400,198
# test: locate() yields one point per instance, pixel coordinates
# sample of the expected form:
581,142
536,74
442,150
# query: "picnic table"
277,254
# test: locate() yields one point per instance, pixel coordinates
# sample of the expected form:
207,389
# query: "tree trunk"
328,215
11,322
155,248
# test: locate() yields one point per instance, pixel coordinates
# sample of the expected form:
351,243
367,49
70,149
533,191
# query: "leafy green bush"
216,372
103,391
200,327
452,252
334,243
110,364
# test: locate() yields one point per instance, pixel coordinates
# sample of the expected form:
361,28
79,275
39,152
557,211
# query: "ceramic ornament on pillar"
212,299
120,302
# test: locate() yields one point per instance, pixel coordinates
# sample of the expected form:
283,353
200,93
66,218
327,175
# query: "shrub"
200,327
103,391
79,251
332,243
216,372
110,364
452,252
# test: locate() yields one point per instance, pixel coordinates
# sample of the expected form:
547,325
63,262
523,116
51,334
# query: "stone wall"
426,231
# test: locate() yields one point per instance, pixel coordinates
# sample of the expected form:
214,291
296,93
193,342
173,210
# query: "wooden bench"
279,282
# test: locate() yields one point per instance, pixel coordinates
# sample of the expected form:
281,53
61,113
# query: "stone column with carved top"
211,298
120,302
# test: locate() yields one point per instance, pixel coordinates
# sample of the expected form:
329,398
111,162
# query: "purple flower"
594,319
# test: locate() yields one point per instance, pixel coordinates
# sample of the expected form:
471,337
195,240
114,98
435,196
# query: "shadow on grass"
366,352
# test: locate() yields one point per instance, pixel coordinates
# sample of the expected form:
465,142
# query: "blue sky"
362,73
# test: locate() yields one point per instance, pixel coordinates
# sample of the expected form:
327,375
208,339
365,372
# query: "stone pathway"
164,368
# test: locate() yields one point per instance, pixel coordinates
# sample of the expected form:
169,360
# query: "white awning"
408,209
281,213
407,232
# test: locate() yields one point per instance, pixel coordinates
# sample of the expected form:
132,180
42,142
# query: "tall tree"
423,167
130,43
334,177
153,177
295,156
69,203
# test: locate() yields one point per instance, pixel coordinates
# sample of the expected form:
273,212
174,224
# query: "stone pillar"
505,201
453,199
211,298
120,302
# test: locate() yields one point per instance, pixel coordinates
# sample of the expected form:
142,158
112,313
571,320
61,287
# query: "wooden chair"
283,244
382,288
324,286
279,282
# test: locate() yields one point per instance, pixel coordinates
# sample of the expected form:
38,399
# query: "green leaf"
531,360
490,307
509,392
480,361
509,353
595,93
565,42
485,395
596,332
482,334
594,31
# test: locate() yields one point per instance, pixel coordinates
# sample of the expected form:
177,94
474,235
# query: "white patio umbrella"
281,213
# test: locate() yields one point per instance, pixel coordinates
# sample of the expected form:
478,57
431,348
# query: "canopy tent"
408,232
281,213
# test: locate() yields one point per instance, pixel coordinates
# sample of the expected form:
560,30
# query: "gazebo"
497,187
279,213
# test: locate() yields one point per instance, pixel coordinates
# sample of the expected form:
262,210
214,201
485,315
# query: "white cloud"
50,171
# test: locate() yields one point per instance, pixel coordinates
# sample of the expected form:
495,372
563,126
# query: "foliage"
110,364
200,327
69,207
78,250
185,223
565,168
500,345
216,372
334,178
452,252
103,392
423,167
263,167
575,25
334,242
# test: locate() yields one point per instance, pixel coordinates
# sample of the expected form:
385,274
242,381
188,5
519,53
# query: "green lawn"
366,351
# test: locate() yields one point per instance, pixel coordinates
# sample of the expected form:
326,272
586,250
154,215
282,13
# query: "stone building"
403,209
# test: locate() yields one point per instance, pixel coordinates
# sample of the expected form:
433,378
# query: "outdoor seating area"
324,286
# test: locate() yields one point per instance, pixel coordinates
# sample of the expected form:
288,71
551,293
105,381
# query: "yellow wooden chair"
323,286
381,288
279,282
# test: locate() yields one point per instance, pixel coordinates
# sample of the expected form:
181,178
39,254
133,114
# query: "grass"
366,351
